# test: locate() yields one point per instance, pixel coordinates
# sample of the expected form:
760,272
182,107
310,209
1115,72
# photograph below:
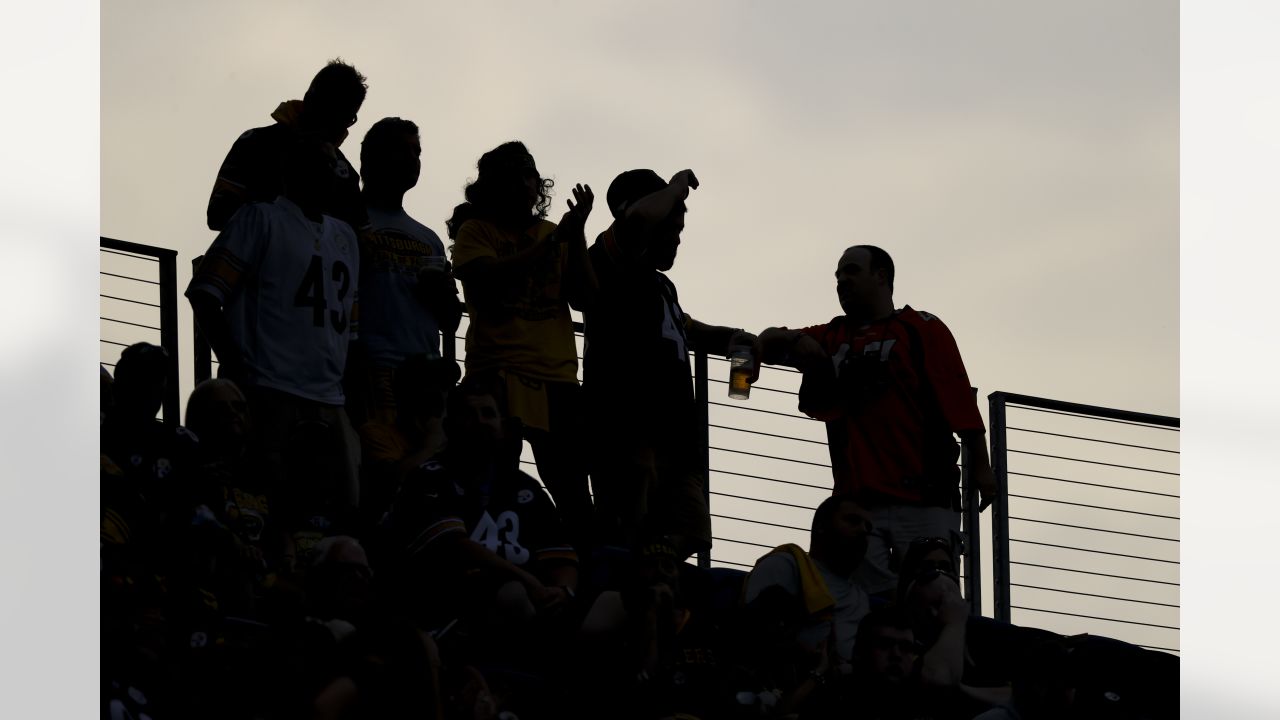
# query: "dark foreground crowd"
341,528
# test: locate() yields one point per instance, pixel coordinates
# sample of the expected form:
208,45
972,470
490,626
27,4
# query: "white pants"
893,529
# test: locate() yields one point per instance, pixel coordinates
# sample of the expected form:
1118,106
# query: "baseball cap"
631,186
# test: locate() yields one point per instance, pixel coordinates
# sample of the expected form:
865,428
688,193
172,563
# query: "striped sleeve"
434,531
232,254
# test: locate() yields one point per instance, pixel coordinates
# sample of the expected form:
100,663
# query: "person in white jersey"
275,296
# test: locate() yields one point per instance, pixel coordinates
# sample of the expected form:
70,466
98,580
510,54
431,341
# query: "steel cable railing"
767,469
1086,512
138,302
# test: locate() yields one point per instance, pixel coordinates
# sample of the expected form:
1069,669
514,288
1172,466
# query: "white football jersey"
288,288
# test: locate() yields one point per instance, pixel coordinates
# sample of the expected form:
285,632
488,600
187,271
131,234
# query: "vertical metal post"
201,355
971,529
1000,508
704,430
169,331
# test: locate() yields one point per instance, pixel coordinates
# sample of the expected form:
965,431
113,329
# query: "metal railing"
1087,513
767,468
764,481
138,302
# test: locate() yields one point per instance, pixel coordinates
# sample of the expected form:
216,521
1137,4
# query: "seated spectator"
231,485
974,656
338,582
152,456
803,608
884,682
805,600
646,650
276,297
471,526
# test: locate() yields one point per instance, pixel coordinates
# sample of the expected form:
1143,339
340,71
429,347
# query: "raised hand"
685,179
586,198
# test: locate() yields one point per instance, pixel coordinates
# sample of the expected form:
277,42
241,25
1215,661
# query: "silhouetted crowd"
340,528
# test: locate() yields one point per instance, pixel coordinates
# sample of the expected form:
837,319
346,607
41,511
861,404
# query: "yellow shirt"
527,330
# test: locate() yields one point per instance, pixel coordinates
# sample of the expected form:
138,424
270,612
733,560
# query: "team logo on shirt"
524,496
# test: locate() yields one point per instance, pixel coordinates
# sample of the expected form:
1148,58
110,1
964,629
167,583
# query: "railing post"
1000,508
201,355
704,430
971,530
169,331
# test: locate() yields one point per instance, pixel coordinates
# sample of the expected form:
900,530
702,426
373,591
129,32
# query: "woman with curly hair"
520,275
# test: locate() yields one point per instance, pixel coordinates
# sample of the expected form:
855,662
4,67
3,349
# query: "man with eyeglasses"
252,170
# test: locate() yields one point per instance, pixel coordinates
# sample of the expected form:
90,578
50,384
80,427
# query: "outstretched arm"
818,391
718,339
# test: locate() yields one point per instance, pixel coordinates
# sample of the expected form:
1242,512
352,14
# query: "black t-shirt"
155,460
636,369
252,172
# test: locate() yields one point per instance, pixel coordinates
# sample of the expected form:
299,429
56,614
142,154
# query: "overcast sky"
1019,160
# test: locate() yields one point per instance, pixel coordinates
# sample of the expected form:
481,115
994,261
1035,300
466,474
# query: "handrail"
167,282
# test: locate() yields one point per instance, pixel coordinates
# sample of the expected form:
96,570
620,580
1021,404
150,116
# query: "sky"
1081,83
1018,160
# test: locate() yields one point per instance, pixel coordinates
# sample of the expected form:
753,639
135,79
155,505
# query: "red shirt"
901,392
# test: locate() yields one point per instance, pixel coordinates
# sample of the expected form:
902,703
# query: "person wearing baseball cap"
637,377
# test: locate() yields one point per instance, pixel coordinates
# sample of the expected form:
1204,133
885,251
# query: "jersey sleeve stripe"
219,273
435,532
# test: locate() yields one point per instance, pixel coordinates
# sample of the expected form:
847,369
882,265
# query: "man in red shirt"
892,388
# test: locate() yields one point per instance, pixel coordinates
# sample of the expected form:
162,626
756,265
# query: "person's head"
926,557
864,281
142,376
664,238
334,98
839,531
339,578
885,648
420,384
218,414
391,155
308,171
508,189
475,419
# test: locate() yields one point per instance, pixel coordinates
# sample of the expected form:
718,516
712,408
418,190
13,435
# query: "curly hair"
496,192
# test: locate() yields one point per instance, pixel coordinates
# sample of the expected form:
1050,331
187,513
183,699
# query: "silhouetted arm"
717,339
795,348
943,663
209,317
975,442
580,276
643,214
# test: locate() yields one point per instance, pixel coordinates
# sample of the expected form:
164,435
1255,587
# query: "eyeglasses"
954,547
